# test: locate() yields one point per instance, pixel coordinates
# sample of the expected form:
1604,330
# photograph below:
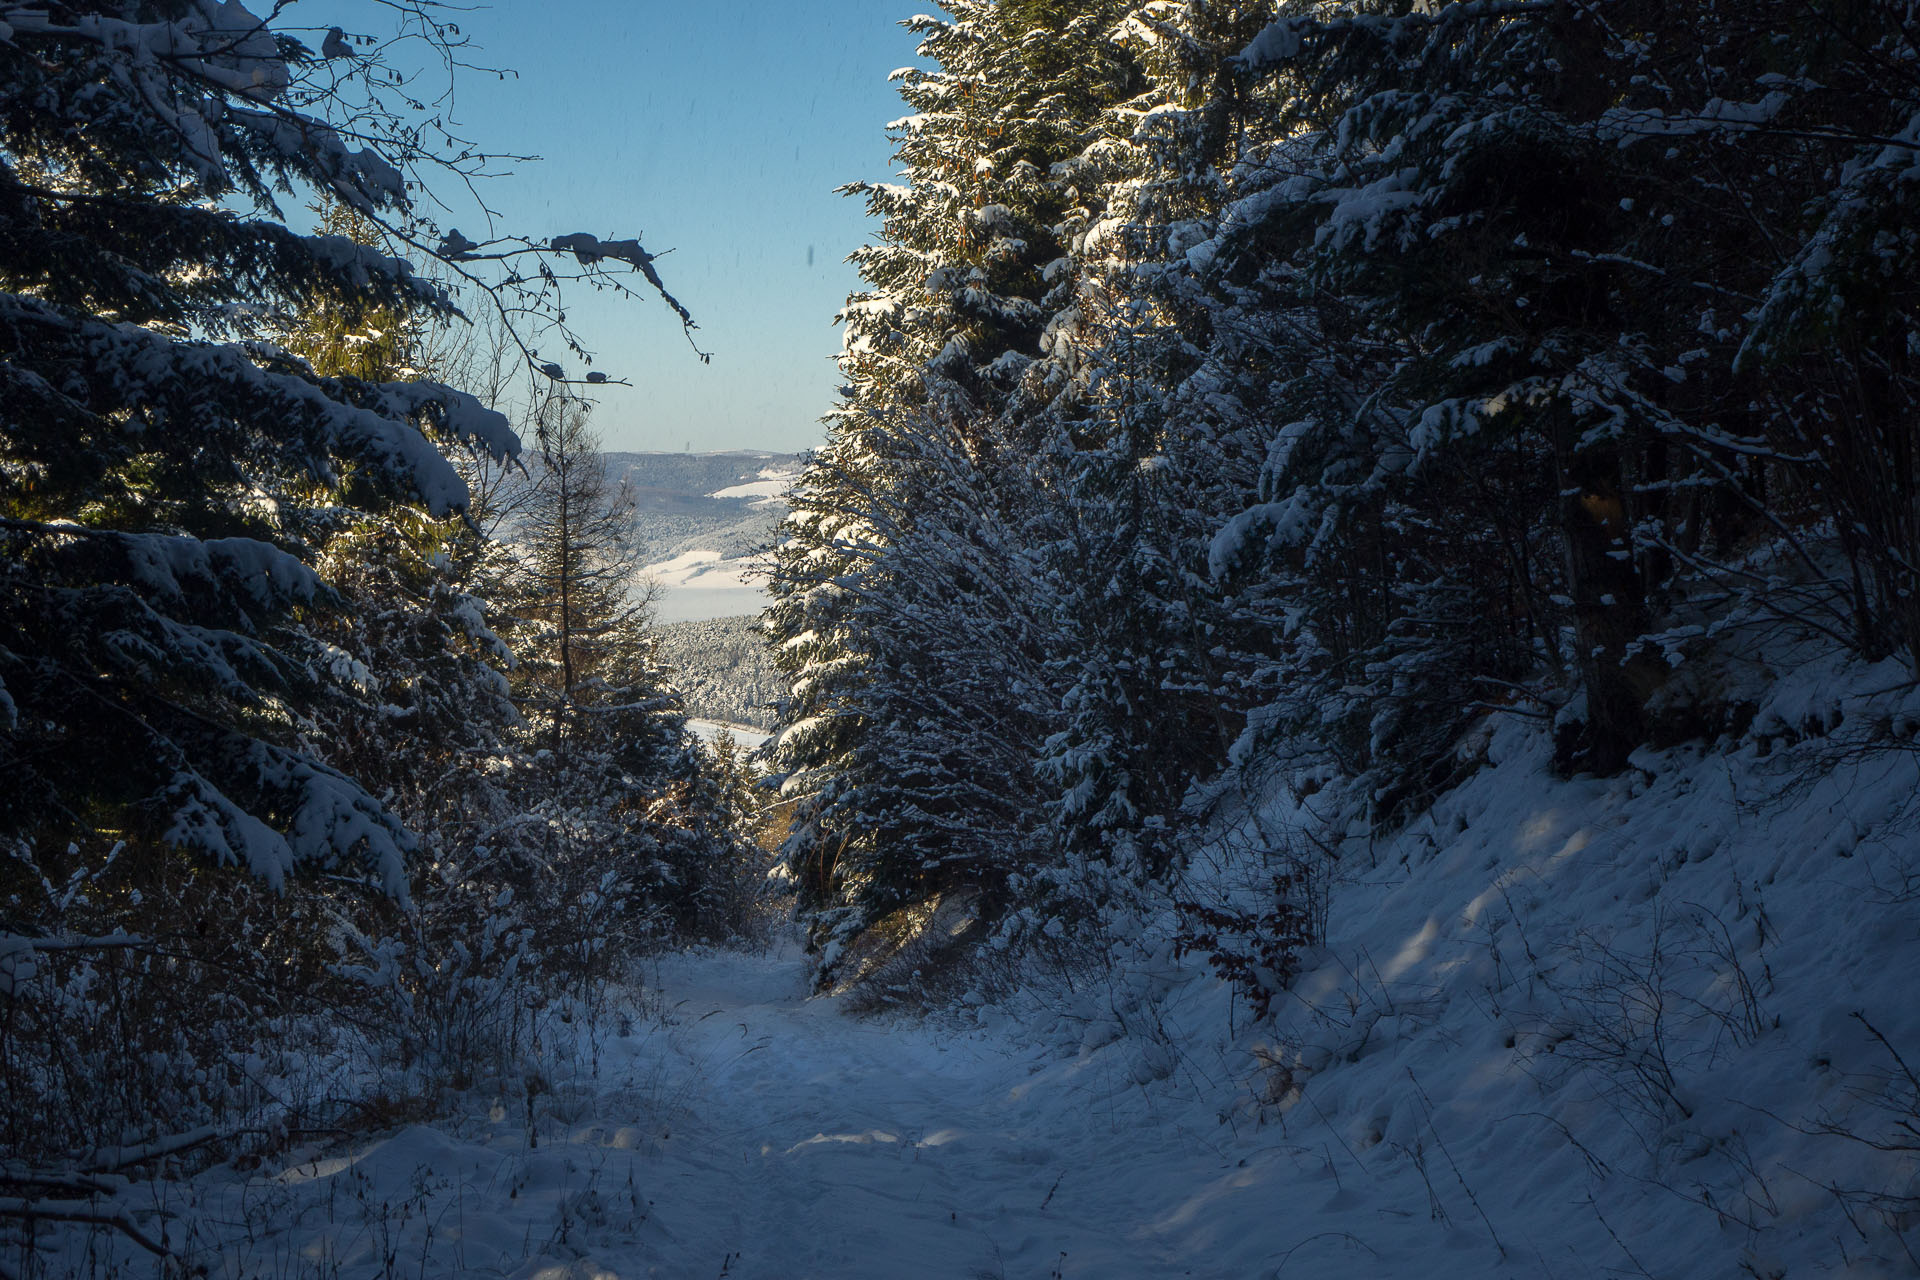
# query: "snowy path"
812,1144
745,1132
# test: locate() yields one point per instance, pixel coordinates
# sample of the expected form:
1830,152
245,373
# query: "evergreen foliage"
250,615
610,788
722,669
911,595
1288,388
165,489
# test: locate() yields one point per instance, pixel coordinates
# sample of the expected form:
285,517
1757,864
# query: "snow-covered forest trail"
1563,1031
733,1127
802,1142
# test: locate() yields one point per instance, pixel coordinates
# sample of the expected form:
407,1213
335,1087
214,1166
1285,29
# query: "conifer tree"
230,635
1244,383
611,798
582,613
1531,438
1157,456
907,594
163,492
168,482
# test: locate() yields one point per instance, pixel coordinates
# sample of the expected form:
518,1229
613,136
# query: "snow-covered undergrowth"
1661,1024
1657,1025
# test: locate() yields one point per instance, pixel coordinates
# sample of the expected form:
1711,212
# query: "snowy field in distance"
749,738
769,489
703,584
701,519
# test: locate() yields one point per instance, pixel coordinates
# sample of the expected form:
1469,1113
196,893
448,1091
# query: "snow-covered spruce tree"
912,729
169,487
1427,452
428,702
1820,104
1454,215
1540,431
933,792
444,982
969,272
1157,459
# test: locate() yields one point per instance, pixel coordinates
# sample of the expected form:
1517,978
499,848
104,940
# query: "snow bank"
1659,1024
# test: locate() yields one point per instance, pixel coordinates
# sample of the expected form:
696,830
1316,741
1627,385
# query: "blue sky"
717,130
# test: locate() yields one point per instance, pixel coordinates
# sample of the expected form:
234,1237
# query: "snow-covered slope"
1656,1025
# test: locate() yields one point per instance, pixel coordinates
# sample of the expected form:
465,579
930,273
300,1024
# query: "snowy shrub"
148,996
1256,952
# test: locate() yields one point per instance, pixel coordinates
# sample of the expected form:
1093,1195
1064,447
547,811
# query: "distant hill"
700,518
722,670
679,507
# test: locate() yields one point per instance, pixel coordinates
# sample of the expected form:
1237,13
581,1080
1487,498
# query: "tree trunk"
1609,609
